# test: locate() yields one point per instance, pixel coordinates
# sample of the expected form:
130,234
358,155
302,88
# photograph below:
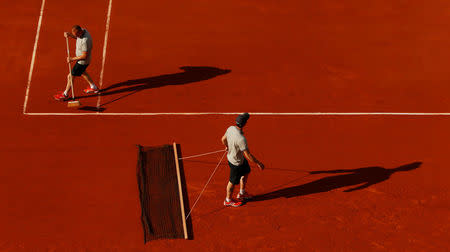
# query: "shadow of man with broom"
360,178
190,74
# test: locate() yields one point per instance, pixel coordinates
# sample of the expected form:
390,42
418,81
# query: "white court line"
251,113
30,74
108,20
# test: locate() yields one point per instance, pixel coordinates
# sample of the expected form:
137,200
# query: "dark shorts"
78,69
236,172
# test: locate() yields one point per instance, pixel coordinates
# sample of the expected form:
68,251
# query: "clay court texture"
181,71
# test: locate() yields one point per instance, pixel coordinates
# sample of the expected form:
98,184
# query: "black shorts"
78,69
236,172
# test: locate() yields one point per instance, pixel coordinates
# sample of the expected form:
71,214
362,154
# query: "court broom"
73,103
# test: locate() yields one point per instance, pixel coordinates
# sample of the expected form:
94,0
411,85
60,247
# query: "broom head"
73,104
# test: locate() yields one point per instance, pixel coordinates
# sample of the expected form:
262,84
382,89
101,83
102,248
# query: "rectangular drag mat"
160,180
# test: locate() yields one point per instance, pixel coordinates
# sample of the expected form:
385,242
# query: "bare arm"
253,159
83,56
69,35
225,142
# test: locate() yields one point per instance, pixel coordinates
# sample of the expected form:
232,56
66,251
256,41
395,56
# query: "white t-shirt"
84,44
237,144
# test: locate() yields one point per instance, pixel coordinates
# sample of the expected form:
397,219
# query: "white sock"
93,86
65,93
227,199
242,191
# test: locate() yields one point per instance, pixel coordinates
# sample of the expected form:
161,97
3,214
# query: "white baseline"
251,113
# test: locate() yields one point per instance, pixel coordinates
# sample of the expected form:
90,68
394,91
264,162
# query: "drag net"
163,208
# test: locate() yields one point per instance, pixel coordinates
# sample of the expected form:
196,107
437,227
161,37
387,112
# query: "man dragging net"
236,144
83,59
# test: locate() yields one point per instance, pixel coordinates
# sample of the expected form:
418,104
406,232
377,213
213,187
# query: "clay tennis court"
349,112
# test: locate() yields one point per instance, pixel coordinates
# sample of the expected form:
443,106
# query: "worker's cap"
242,119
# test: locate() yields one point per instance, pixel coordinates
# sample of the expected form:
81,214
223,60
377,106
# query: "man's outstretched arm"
253,159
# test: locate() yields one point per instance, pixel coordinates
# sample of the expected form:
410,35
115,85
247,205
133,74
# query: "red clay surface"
69,183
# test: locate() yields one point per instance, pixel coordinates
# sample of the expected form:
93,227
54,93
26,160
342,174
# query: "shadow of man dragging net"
361,178
190,74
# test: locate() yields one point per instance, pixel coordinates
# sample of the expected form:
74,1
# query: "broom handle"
70,70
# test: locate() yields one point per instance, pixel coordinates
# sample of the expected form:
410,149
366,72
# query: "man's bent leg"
243,183
68,86
230,188
89,80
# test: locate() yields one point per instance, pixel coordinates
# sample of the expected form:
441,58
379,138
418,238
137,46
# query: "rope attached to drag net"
200,155
210,177
215,169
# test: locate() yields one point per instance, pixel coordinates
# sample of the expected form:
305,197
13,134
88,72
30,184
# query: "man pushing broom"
82,59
